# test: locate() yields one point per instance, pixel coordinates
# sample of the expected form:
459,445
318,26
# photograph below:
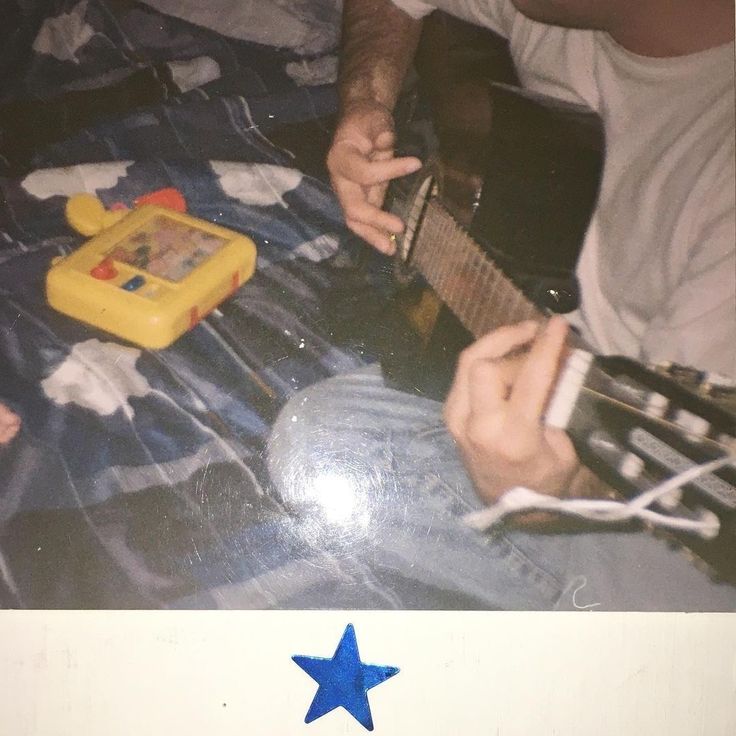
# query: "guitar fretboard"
475,289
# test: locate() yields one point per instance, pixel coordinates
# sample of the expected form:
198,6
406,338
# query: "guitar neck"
467,281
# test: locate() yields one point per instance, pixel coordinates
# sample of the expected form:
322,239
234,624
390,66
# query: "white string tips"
520,499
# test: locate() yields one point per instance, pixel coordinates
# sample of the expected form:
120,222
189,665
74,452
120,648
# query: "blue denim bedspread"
138,479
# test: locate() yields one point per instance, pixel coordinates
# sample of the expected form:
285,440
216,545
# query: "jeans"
378,485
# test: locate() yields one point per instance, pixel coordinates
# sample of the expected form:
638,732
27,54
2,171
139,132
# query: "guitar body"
518,172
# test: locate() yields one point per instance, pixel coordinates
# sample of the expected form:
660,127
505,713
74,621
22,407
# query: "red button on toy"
104,270
170,198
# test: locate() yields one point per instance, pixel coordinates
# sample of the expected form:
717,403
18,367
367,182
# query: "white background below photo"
495,674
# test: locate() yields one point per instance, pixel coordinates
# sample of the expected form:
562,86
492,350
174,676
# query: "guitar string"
476,285
476,310
466,281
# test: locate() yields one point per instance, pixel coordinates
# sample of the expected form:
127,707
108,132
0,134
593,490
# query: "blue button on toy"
135,283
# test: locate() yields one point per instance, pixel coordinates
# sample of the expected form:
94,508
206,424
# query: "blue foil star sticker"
343,680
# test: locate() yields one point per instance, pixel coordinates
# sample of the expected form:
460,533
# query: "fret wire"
465,282
474,297
455,278
483,314
506,295
488,315
443,256
477,314
515,300
454,271
470,256
432,251
449,256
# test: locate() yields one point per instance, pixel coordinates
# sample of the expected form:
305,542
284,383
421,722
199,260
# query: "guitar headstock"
713,388
636,426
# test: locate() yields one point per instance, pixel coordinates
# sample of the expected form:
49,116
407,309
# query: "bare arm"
379,42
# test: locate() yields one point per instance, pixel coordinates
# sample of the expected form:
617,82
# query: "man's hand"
361,164
496,406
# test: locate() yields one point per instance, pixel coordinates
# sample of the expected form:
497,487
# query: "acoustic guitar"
492,238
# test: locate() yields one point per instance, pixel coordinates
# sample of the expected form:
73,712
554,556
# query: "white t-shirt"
658,264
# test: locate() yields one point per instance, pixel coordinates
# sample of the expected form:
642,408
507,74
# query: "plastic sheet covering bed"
137,479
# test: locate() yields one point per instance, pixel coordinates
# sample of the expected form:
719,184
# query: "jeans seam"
545,582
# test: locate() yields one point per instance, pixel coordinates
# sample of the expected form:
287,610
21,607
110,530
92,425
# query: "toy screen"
166,248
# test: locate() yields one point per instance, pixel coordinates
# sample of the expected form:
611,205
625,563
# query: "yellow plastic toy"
149,275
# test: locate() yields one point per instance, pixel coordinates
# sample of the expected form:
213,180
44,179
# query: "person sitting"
657,272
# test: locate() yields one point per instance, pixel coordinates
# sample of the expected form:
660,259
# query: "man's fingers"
457,407
376,196
351,162
499,343
358,208
481,403
385,140
537,376
480,377
490,382
379,239
382,153
562,447
373,172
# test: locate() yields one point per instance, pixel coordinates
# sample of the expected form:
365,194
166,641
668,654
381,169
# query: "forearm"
379,42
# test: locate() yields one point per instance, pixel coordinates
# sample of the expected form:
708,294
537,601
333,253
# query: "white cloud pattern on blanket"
63,35
100,376
70,180
319,248
193,73
262,185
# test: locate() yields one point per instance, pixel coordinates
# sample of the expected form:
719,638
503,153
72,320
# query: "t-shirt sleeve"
497,15
414,8
697,327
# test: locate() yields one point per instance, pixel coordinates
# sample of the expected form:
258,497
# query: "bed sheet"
137,479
